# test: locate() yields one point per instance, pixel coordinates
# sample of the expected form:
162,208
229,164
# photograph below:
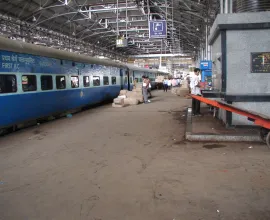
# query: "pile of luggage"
159,79
159,82
182,91
127,98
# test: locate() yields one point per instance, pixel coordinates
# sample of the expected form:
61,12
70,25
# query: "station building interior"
63,61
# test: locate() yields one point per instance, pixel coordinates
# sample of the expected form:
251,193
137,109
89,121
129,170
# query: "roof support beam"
109,9
158,55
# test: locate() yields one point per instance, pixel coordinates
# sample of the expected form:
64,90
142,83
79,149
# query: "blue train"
37,82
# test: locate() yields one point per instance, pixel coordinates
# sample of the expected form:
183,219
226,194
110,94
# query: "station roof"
92,26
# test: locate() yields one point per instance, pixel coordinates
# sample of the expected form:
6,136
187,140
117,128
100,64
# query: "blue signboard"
206,68
157,29
206,65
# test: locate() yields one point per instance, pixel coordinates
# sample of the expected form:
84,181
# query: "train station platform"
130,163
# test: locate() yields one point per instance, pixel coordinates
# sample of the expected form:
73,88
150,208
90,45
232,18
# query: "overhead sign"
121,42
157,29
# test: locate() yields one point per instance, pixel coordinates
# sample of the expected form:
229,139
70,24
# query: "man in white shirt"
195,90
178,81
165,85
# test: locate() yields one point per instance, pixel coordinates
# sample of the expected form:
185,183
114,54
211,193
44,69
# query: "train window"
29,83
96,81
46,82
139,80
126,80
130,80
113,80
106,80
74,81
8,84
86,81
60,82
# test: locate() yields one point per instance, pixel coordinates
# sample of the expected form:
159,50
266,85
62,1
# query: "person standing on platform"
149,88
174,82
169,83
188,82
165,85
145,86
195,90
135,83
178,82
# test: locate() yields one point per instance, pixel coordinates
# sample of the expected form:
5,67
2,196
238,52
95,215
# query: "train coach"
37,82
136,74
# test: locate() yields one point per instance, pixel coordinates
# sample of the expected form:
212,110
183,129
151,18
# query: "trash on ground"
250,147
69,115
224,171
122,97
217,210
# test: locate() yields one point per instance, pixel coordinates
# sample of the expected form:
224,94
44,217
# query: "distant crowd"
169,83
193,85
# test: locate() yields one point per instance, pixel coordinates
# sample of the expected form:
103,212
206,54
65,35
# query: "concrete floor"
130,164
211,125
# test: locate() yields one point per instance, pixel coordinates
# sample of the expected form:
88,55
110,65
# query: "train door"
121,79
131,79
125,80
128,80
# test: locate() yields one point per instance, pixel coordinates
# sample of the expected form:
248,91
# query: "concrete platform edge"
215,137
222,138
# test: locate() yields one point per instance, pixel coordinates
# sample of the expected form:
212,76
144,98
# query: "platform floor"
210,125
130,164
